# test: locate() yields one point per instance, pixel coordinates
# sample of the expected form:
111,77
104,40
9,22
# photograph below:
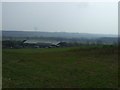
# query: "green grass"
82,67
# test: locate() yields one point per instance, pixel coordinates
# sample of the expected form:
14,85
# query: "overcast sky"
0,16
82,17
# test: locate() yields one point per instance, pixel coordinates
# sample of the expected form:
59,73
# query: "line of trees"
22,44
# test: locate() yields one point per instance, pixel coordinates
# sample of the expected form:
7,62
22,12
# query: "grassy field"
79,67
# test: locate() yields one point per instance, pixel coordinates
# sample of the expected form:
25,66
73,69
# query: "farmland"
68,67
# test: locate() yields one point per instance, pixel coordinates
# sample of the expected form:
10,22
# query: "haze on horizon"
82,17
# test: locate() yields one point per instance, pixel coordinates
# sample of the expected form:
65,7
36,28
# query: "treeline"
103,40
24,44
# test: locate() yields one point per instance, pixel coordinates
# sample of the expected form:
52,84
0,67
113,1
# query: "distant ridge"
13,33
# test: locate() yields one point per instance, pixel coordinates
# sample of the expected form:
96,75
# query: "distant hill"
53,34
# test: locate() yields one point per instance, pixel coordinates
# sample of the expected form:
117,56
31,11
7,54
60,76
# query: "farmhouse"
39,44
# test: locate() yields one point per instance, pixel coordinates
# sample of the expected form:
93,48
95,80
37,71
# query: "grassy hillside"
82,67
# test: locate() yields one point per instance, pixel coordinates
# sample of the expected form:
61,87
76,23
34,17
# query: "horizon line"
60,32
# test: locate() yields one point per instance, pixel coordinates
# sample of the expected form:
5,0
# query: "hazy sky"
0,24
83,17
